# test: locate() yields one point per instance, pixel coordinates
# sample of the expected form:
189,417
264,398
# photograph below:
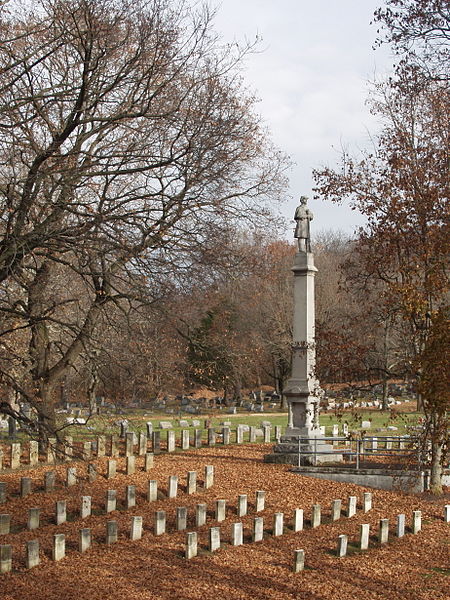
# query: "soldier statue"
303,216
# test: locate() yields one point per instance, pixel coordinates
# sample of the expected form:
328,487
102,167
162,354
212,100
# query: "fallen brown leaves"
411,568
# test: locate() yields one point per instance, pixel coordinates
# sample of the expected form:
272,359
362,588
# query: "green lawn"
137,421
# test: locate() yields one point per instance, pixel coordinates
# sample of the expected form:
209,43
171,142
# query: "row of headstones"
33,521
26,483
183,423
159,528
66,448
237,539
383,532
130,502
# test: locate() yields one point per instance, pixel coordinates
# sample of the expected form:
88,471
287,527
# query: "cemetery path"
415,567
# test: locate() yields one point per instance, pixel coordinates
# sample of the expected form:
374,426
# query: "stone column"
302,389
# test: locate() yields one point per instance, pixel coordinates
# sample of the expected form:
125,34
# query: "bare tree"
125,139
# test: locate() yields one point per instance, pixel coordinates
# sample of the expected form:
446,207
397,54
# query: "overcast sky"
311,77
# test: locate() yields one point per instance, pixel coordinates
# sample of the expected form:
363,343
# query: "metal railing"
403,447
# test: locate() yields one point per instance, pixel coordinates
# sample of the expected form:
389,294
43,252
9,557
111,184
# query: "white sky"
311,76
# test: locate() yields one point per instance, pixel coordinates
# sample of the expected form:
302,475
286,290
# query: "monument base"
311,449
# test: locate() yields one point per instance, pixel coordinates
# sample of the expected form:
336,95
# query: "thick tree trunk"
384,402
436,468
46,416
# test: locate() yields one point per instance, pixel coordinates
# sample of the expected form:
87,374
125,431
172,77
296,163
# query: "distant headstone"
165,425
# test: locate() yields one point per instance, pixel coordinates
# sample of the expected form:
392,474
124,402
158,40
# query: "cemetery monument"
302,390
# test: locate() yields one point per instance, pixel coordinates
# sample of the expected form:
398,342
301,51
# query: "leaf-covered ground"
415,567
